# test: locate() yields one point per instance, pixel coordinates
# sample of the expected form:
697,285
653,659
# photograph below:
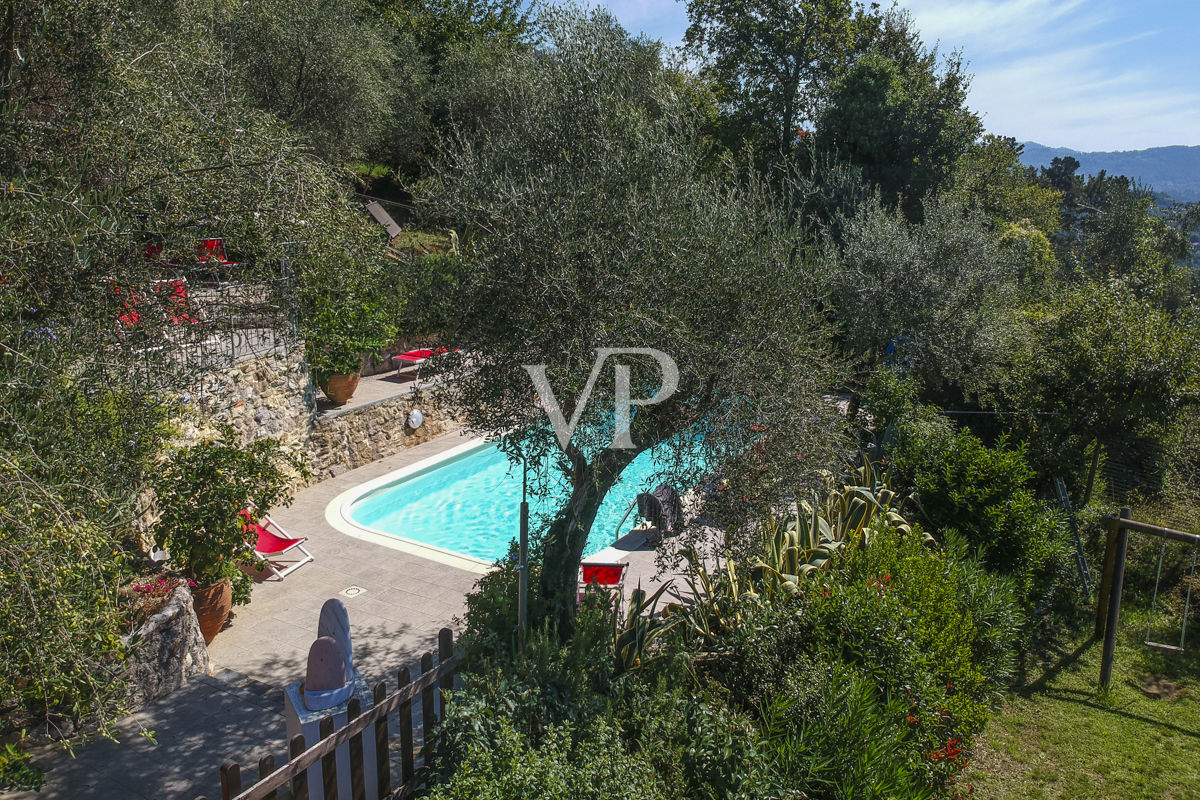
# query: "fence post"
407,768
266,765
428,715
358,785
299,783
231,780
383,764
1114,600
445,651
1110,554
328,762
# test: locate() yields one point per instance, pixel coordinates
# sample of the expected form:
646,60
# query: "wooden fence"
373,723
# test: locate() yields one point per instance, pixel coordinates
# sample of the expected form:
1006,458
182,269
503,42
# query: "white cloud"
996,26
1065,72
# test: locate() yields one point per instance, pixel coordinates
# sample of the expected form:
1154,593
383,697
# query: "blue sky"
1086,74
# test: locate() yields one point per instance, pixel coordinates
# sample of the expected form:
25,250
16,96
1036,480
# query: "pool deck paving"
237,711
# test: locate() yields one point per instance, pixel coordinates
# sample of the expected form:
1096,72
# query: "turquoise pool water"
470,504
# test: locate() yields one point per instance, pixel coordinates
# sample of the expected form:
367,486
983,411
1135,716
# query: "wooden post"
428,715
407,767
231,780
328,762
1106,576
299,783
445,650
1114,601
383,764
266,765
358,784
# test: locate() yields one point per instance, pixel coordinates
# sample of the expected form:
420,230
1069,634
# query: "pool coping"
338,517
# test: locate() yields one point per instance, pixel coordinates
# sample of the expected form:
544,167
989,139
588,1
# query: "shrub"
982,494
60,617
200,491
507,765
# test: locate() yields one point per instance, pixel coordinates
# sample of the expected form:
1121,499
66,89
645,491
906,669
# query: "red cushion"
603,574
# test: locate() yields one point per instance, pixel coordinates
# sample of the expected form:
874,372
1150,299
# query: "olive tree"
588,223
153,150
932,297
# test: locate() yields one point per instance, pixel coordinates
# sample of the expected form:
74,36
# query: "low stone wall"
166,650
342,440
272,397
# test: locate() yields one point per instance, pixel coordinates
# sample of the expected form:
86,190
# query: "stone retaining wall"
273,397
341,441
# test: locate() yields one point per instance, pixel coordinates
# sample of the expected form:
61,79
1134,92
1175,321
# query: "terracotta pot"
212,607
340,388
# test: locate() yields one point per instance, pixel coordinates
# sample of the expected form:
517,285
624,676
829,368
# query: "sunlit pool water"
470,504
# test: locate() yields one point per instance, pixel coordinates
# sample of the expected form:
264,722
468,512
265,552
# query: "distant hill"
1173,171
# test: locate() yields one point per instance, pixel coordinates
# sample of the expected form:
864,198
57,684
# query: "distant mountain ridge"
1173,171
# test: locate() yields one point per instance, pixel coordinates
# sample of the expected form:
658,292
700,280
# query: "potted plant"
349,308
200,491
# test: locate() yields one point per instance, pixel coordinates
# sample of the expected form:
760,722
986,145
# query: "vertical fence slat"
299,783
406,731
328,762
427,713
266,765
383,771
445,650
231,779
358,784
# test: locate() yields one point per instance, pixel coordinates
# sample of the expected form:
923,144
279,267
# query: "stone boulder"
166,650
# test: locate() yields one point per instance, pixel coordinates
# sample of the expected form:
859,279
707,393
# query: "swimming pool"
466,503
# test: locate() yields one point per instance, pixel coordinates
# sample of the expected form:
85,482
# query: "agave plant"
716,602
637,629
823,525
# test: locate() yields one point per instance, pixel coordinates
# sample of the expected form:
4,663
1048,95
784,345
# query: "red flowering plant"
149,594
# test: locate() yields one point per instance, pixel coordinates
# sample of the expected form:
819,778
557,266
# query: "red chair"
608,576
272,541
211,250
415,358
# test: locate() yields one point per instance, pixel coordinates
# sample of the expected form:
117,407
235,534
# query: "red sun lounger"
273,541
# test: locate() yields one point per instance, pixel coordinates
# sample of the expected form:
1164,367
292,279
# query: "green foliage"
351,83
200,491
990,175
60,617
772,63
1103,366
939,292
350,301
906,128
564,766
17,772
982,494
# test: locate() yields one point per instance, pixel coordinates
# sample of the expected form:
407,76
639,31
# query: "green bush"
507,765
17,772
981,493
60,616
200,491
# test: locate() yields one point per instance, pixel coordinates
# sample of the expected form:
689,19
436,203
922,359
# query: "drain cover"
352,591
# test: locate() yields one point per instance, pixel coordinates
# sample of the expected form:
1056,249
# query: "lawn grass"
1059,737
422,242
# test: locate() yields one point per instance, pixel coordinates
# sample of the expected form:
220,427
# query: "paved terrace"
238,711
